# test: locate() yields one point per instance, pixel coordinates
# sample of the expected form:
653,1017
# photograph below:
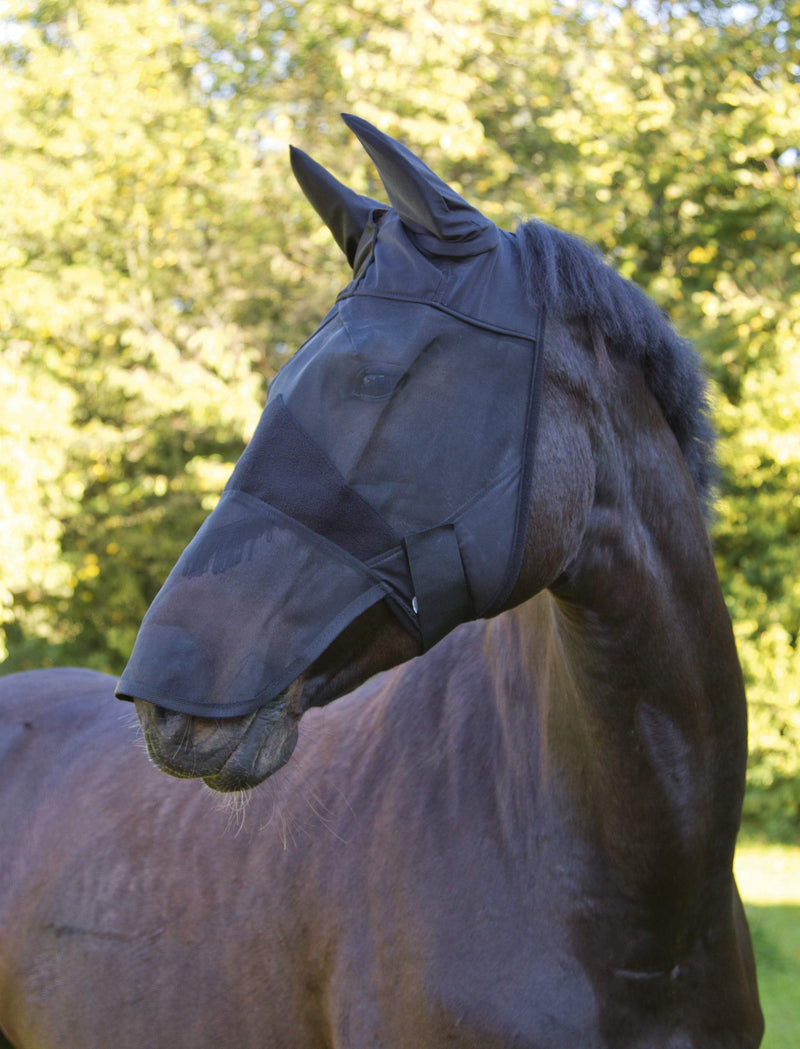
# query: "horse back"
131,911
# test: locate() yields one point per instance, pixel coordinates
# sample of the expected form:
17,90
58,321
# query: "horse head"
408,474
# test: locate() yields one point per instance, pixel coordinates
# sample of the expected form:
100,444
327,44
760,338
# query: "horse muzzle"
229,755
255,598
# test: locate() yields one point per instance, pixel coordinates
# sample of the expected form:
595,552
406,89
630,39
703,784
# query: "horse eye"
373,382
376,385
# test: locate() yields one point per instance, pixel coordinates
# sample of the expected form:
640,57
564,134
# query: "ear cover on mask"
427,206
345,213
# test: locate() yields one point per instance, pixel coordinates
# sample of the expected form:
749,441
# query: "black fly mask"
392,461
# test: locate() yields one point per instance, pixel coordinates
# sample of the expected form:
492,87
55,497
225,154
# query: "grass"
769,881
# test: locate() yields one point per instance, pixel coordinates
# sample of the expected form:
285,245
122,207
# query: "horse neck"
627,684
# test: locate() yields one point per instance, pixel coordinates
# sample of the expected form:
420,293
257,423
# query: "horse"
457,612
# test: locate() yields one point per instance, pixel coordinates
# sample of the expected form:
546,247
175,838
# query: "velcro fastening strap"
440,586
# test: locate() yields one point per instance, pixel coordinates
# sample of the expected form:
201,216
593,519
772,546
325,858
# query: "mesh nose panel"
201,648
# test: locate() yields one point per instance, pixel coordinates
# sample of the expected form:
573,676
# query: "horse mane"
571,277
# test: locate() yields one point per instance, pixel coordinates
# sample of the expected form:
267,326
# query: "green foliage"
156,261
775,930
769,882
122,310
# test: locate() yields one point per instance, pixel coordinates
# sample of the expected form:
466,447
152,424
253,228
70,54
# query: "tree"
121,302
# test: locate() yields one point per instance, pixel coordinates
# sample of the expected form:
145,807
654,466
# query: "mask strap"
440,586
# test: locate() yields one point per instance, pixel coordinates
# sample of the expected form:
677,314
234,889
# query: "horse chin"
230,754
242,771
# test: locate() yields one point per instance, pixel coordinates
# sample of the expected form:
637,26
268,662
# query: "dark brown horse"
522,837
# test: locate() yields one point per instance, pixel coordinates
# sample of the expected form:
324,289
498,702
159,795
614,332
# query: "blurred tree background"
157,262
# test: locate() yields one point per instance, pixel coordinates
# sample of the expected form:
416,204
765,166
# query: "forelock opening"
571,277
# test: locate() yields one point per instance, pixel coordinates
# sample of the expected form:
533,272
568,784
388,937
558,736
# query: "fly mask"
392,461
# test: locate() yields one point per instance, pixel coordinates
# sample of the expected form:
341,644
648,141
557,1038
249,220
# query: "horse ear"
425,203
344,212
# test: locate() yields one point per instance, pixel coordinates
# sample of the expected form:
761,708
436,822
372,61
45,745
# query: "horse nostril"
171,726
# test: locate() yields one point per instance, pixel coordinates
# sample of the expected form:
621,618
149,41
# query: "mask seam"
473,322
522,515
